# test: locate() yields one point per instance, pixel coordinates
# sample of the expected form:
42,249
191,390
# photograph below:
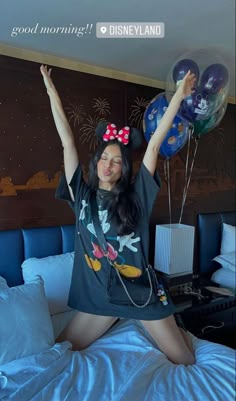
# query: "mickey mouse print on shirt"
116,256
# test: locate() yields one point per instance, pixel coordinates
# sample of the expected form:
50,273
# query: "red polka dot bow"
112,133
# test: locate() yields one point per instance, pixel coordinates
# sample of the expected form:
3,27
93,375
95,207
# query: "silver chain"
127,292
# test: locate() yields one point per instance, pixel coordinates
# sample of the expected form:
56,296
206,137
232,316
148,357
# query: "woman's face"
109,167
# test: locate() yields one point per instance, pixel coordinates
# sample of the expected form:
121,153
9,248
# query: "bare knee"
170,341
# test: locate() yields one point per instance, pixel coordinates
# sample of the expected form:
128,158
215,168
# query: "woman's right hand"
47,77
186,85
71,158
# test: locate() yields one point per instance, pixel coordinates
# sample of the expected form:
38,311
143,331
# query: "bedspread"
123,365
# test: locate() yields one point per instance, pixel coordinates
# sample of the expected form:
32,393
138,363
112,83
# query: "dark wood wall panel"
31,154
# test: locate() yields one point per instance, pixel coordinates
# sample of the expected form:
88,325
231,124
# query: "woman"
125,225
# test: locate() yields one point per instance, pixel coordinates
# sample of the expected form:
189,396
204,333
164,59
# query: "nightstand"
207,315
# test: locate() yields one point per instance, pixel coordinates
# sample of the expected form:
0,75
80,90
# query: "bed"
123,365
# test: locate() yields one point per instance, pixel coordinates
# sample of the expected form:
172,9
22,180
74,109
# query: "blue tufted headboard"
18,245
21,244
209,233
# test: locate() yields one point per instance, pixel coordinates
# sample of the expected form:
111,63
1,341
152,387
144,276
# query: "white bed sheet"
124,365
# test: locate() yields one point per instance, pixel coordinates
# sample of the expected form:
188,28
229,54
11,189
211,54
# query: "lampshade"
174,246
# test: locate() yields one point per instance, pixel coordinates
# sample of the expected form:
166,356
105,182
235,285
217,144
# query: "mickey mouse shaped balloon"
207,104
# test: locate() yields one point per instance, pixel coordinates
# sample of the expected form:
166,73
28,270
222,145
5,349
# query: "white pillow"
56,272
225,278
228,241
25,322
3,284
227,261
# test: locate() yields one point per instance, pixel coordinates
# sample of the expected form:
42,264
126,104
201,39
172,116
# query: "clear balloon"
211,87
178,133
202,127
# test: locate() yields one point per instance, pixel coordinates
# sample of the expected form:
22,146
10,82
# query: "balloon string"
188,182
167,171
187,160
186,170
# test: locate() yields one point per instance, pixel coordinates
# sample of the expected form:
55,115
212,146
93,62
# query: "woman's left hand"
186,86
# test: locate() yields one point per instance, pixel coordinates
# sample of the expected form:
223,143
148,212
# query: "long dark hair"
123,205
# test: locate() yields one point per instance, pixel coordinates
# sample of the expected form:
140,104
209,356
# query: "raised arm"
71,158
151,154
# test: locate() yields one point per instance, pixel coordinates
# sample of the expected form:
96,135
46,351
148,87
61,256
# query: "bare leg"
170,340
84,329
187,340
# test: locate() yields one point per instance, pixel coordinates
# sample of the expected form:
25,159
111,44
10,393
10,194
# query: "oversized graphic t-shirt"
129,253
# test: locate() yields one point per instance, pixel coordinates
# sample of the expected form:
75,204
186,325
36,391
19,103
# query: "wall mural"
136,112
86,123
31,160
39,180
218,164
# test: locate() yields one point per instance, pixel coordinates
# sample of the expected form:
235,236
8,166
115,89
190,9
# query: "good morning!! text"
52,30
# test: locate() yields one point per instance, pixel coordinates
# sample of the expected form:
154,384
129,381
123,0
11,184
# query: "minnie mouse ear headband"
127,136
